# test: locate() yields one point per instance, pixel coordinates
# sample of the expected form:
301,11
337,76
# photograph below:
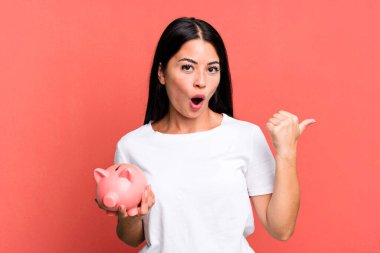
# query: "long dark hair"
174,36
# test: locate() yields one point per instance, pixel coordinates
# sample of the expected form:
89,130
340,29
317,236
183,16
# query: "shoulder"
134,135
242,126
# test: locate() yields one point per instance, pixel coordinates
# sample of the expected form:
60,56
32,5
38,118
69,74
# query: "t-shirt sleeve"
261,166
120,156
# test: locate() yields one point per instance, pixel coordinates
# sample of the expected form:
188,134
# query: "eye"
186,67
213,69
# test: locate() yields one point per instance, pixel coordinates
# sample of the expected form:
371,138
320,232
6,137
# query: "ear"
99,174
161,74
128,174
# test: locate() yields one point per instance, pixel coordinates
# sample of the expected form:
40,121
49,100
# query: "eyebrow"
192,61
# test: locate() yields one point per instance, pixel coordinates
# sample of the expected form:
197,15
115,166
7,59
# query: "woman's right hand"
147,201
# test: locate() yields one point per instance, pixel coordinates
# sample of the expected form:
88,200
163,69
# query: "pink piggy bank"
120,184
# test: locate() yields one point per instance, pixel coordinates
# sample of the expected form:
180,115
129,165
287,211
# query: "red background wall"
74,78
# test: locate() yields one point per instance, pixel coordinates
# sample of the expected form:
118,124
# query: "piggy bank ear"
99,174
128,174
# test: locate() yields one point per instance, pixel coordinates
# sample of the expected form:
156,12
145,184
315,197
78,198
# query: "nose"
200,81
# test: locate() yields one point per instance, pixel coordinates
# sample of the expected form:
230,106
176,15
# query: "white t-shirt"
202,182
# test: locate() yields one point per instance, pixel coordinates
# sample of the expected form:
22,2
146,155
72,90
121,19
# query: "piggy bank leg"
132,211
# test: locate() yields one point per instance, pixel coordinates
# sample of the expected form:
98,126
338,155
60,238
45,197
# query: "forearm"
130,230
284,205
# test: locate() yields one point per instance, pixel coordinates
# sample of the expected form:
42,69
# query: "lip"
194,106
199,96
198,106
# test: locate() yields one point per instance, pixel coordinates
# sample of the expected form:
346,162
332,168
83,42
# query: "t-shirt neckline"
224,116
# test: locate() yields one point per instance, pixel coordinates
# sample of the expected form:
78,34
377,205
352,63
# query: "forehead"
198,50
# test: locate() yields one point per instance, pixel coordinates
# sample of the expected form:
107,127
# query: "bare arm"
278,211
130,229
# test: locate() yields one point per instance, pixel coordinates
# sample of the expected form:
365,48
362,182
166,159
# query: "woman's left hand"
285,131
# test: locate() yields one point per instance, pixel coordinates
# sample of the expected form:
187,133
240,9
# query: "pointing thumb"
305,123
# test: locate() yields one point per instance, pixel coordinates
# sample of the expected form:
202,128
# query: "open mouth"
196,100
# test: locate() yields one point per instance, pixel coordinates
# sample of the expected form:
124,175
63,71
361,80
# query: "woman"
202,164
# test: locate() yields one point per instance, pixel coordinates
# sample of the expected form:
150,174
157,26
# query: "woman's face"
191,77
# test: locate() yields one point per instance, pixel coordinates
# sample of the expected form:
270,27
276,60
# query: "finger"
279,116
288,114
153,199
270,126
275,121
305,123
144,203
285,113
122,212
150,196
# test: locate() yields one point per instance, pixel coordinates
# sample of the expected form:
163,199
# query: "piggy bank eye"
117,168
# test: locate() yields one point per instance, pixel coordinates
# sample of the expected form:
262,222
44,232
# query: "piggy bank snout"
110,200
119,184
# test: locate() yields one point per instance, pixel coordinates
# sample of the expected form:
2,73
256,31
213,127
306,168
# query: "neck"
176,123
